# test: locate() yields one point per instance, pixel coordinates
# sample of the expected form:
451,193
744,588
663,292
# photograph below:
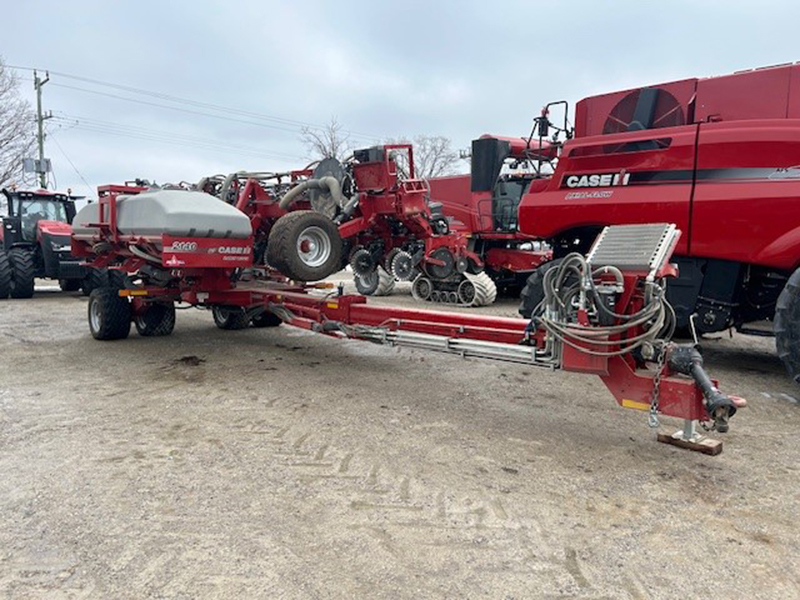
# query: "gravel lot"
281,464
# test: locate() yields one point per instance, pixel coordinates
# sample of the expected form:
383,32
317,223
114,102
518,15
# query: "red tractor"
720,158
35,243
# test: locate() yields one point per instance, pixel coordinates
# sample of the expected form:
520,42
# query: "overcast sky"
384,69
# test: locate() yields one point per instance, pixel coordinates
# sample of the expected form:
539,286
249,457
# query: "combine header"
604,314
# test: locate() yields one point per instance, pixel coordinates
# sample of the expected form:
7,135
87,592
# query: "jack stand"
690,439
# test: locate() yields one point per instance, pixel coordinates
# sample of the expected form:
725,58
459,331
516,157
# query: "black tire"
533,292
787,326
157,320
117,279
5,275
95,278
230,317
23,272
266,319
377,283
109,315
69,285
324,255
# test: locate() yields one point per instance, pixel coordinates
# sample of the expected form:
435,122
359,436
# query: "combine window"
505,203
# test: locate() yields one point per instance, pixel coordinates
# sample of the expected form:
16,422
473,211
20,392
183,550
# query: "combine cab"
35,242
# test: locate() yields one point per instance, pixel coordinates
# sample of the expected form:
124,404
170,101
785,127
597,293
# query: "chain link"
653,417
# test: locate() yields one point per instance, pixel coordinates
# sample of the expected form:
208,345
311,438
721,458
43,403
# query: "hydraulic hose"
327,184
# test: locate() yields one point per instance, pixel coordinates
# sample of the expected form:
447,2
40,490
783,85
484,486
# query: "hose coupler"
687,360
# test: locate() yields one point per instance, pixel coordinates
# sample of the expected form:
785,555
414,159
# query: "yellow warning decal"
635,404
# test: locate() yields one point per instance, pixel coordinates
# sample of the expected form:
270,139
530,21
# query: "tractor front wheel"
787,326
23,270
305,246
157,320
109,315
5,275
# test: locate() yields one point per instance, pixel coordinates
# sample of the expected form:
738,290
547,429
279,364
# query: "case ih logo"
183,247
596,180
239,250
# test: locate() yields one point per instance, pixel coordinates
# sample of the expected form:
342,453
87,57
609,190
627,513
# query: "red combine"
719,157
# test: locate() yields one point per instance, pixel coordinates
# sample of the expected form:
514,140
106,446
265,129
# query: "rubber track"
485,291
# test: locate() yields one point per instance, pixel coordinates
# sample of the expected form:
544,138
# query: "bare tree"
16,128
433,155
330,141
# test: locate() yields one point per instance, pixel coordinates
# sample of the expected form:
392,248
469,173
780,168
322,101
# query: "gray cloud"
384,69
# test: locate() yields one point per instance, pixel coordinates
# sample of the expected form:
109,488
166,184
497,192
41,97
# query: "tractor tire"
533,292
377,283
109,315
266,319
117,280
230,317
305,246
23,271
158,320
69,285
95,278
5,275
787,326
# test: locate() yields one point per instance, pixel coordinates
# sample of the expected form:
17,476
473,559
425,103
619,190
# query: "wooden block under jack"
704,445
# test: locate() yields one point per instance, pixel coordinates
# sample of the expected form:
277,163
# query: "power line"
165,140
74,168
170,98
121,127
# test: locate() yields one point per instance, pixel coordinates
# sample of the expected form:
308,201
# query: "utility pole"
40,119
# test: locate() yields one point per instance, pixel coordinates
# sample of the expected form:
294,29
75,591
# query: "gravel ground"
282,464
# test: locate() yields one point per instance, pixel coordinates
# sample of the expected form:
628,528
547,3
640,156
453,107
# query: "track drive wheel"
266,319
305,246
5,275
787,326
376,283
109,315
230,317
158,320
23,270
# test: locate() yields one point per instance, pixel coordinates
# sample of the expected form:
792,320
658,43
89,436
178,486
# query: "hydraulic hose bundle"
572,287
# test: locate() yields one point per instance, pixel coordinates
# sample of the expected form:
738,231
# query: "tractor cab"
26,209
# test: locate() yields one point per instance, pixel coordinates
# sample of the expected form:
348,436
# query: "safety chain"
662,358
